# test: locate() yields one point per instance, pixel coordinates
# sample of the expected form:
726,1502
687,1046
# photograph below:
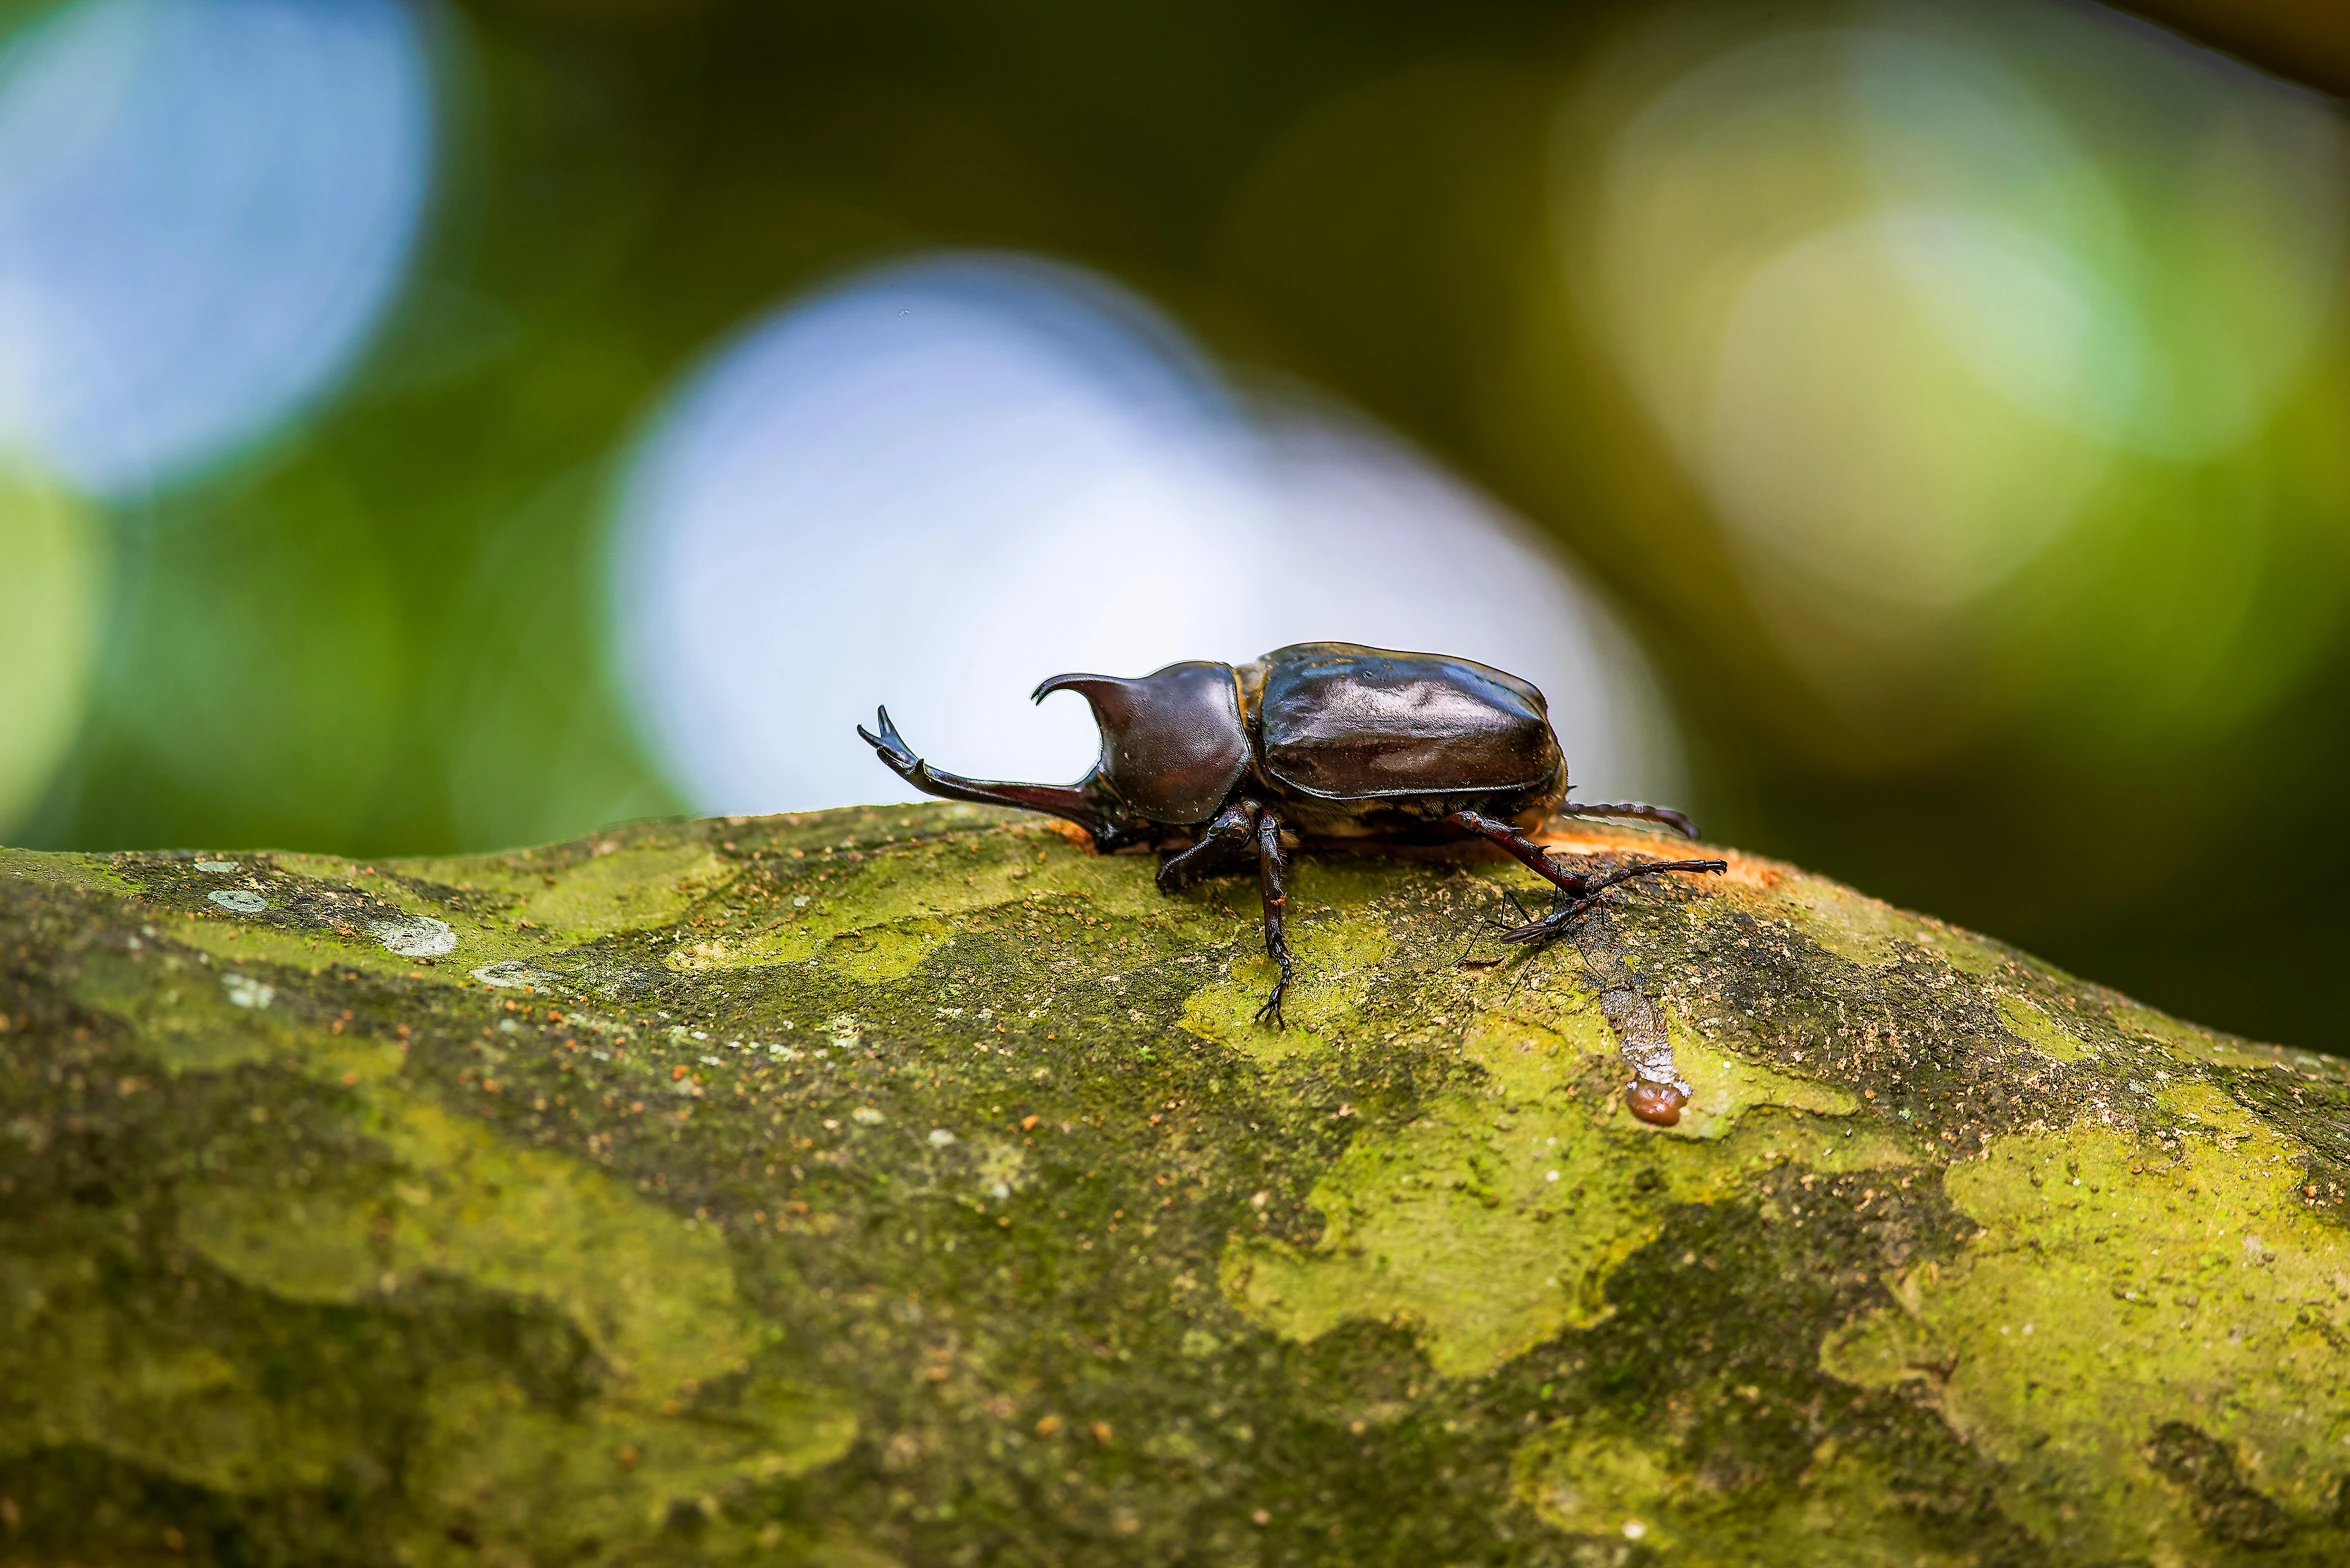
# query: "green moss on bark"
909,1186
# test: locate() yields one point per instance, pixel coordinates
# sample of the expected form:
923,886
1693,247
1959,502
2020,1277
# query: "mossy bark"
911,1186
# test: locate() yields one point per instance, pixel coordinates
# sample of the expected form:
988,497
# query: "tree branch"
909,1185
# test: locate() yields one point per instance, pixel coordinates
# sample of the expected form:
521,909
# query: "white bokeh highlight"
204,210
945,480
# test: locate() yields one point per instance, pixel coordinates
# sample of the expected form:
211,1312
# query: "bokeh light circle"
937,483
1922,300
1818,447
204,209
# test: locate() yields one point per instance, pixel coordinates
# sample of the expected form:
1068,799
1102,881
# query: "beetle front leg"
1271,864
1223,840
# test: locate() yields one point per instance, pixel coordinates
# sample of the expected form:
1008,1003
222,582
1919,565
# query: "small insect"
1319,742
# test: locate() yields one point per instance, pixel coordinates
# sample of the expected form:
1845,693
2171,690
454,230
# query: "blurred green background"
1952,402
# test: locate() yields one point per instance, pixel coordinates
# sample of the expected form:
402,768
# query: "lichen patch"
2036,1027
1336,958
1866,930
578,897
451,1202
1724,1087
1493,1220
1611,1486
2112,1293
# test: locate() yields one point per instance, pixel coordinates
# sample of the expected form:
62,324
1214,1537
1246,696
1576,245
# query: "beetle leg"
1632,808
1221,841
1575,905
1060,800
1577,891
1571,883
1271,863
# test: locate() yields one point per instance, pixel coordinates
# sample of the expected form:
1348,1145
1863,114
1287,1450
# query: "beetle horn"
1112,698
1079,803
1173,744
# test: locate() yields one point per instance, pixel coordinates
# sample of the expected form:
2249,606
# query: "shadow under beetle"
1324,741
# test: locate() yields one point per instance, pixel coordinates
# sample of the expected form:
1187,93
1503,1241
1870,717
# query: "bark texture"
910,1186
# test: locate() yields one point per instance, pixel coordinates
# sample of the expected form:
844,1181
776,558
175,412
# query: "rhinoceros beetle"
1326,741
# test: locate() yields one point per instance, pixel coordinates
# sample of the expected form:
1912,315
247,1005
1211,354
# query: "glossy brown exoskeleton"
1323,741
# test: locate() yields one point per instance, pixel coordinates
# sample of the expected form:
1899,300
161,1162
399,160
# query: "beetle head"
1173,744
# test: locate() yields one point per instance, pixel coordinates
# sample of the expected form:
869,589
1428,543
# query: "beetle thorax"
1173,742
